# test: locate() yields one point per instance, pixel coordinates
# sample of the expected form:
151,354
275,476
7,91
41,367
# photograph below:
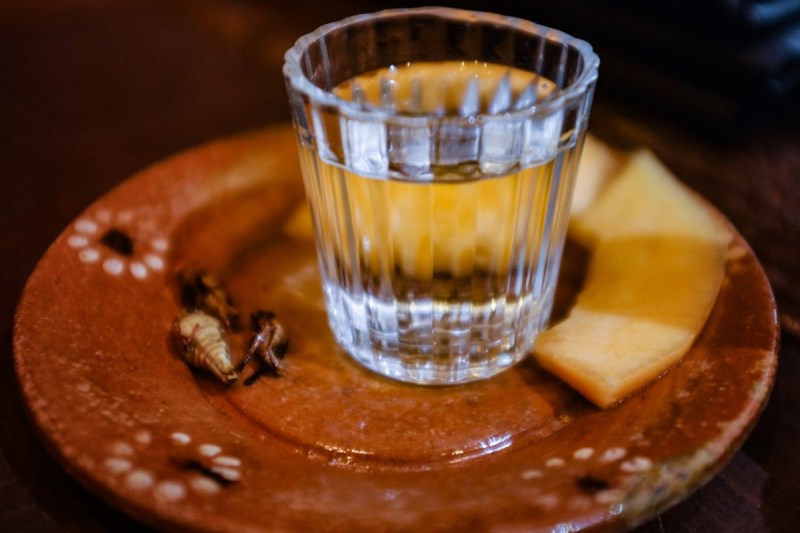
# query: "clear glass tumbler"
439,150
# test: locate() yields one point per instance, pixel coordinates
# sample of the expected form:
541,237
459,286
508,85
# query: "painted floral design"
590,486
122,243
207,474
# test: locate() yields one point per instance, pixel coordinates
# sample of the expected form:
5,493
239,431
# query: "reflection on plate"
329,445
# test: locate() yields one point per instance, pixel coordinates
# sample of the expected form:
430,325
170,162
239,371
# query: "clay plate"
328,445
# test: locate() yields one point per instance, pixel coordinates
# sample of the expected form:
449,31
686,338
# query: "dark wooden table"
91,92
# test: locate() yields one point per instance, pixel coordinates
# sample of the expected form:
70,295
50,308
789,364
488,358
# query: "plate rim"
44,425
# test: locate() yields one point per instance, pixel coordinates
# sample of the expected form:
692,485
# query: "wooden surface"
91,92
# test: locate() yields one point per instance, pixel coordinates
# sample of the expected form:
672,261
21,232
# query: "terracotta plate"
329,446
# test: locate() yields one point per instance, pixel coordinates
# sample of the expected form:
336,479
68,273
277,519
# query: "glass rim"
300,82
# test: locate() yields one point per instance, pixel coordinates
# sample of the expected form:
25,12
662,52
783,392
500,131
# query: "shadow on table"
775,443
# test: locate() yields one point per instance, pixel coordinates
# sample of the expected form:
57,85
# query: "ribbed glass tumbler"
438,150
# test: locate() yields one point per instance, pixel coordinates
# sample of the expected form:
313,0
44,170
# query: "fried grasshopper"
203,344
204,291
210,314
269,344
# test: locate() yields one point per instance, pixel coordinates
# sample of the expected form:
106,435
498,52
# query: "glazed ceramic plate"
328,445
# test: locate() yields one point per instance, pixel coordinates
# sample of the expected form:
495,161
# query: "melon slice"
599,162
658,260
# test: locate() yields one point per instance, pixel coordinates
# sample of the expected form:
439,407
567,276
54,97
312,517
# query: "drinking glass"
438,149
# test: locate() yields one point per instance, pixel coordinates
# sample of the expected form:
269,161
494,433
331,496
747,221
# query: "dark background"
92,91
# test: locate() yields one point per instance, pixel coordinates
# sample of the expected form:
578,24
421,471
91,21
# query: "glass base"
428,342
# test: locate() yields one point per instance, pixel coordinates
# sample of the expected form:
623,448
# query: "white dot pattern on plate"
532,473
122,448
139,480
138,270
217,471
143,437
78,241
226,460
113,266
204,485
103,216
118,465
229,474
583,453
154,261
547,501
613,454
209,450
636,464
86,226
148,250
159,244
557,466
89,255
170,491
181,437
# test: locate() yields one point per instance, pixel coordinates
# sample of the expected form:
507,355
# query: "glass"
438,150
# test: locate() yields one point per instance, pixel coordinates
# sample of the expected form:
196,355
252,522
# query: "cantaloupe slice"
599,162
298,225
658,260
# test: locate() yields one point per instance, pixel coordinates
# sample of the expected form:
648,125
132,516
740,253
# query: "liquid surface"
448,87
